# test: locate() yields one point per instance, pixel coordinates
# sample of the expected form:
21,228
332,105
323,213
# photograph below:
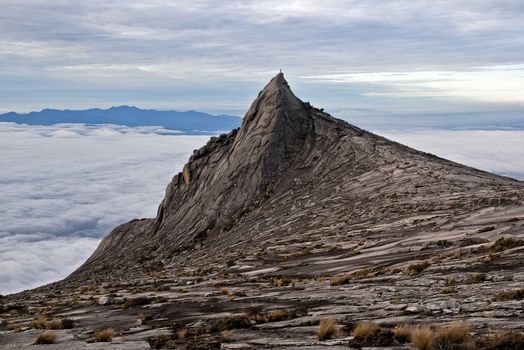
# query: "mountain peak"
286,153
284,211
275,109
278,82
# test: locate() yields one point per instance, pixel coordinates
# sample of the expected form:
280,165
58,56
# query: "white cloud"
500,152
64,187
499,84
31,260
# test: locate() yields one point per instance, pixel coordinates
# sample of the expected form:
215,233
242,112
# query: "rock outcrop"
295,218
285,149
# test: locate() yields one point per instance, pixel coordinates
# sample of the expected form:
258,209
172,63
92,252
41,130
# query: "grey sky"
355,58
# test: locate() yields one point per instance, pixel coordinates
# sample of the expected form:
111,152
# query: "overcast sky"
357,59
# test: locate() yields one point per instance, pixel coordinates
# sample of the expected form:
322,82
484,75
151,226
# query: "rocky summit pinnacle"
292,222
285,150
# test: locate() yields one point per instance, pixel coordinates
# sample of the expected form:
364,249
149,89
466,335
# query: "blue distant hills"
188,122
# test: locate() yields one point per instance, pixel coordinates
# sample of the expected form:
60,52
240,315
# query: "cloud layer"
64,187
215,55
496,151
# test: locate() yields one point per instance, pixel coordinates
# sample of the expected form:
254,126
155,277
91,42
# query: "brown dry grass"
15,327
277,315
182,333
340,279
220,283
68,323
510,295
278,282
456,335
39,322
224,291
328,328
415,269
509,340
55,323
365,329
422,337
137,302
503,243
226,337
104,335
402,333
475,278
46,337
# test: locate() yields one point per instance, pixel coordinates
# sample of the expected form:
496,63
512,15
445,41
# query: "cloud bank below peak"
63,187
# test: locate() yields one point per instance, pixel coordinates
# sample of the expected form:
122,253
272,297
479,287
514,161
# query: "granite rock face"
291,219
285,149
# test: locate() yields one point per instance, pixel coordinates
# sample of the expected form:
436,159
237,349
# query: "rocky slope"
291,219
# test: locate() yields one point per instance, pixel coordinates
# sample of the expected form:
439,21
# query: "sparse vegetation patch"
327,329
510,295
46,337
104,335
402,333
415,269
422,337
503,243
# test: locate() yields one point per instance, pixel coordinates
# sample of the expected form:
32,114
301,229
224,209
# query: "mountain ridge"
281,138
293,220
188,122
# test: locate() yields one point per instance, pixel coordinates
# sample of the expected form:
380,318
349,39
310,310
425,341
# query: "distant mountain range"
188,122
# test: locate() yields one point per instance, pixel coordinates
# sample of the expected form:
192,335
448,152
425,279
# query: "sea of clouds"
496,151
62,188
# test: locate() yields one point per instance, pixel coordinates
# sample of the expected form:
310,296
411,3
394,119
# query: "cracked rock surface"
291,219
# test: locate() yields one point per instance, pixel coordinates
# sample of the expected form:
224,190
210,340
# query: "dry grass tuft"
39,322
340,279
226,337
503,243
232,322
328,328
46,337
14,327
450,281
224,291
68,323
279,282
182,333
509,340
137,302
402,333
422,337
365,329
476,278
454,336
55,323
104,335
510,295
415,269
220,283
277,315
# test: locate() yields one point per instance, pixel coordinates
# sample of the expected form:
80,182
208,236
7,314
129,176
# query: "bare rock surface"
294,218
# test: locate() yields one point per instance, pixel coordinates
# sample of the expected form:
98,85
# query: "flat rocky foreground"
276,296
